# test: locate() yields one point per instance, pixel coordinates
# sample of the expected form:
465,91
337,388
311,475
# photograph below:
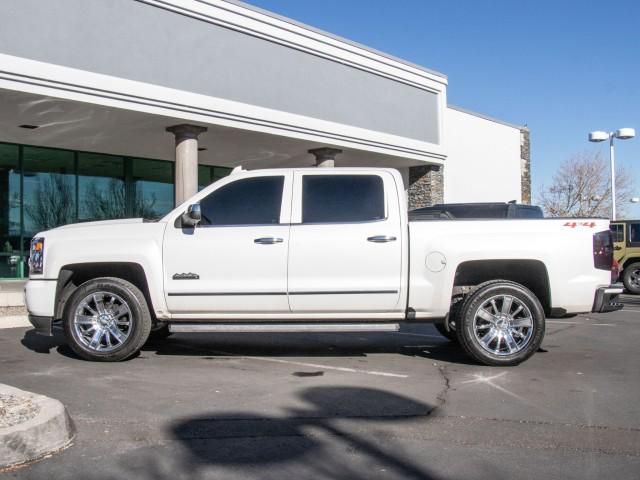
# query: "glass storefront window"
101,187
204,176
42,188
49,196
10,252
152,189
208,174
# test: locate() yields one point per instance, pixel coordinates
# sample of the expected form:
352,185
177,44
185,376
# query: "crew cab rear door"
345,247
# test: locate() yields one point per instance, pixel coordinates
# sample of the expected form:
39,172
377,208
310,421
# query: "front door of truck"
346,243
235,260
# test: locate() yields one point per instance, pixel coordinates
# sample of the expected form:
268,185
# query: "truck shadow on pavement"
310,436
210,346
316,345
328,436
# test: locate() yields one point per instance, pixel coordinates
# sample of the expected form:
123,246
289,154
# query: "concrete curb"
11,299
49,431
14,321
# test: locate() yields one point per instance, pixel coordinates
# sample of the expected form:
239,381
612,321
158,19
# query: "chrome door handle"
267,240
381,239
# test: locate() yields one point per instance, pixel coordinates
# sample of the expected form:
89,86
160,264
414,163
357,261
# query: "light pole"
600,136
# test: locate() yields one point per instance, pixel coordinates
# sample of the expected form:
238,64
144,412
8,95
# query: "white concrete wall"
483,163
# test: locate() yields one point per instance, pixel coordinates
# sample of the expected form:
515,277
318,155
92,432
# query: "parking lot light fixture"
600,136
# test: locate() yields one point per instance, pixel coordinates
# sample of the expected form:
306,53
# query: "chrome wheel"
102,321
634,278
503,325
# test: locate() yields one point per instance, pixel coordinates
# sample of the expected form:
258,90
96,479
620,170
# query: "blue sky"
563,68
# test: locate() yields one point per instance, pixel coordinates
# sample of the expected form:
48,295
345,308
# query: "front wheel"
631,278
107,320
501,324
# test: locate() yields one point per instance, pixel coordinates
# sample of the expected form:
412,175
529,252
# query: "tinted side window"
342,198
634,233
529,212
251,201
617,231
478,211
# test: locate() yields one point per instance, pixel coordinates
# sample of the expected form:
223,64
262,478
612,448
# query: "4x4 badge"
186,276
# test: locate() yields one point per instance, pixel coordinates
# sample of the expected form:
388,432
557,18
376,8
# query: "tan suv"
626,245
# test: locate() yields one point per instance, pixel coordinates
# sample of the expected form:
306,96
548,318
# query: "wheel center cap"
502,323
104,319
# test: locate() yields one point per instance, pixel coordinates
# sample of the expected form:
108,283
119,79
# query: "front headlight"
36,255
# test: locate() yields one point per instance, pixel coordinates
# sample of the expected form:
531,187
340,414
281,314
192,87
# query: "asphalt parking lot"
350,406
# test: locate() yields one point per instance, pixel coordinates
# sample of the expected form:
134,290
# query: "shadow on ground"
322,440
210,346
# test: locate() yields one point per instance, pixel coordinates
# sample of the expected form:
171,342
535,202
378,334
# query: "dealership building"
125,108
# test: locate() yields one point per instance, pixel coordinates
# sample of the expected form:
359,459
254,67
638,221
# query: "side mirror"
192,216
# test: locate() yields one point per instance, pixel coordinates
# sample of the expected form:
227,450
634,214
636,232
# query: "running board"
282,328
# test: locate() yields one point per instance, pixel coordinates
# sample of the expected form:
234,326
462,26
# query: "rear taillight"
603,251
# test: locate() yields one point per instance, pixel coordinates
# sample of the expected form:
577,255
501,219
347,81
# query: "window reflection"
42,188
153,188
49,189
208,174
9,212
101,187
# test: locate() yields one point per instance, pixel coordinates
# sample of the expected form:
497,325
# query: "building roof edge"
282,18
487,117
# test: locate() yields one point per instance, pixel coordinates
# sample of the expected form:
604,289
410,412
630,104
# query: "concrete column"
325,157
186,159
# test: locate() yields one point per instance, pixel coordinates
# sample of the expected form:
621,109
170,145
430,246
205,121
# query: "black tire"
447,327
134,333
501,328
631,278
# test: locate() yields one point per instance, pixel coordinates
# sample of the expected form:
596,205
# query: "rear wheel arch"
531,274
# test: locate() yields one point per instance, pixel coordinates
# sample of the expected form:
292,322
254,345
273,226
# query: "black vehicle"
477,210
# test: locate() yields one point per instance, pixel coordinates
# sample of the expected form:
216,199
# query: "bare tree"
53,202
103,202
582,188
110,201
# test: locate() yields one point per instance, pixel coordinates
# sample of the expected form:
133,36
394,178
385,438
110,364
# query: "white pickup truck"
319,249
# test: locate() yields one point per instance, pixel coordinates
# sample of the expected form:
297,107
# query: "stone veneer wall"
525,165
426,186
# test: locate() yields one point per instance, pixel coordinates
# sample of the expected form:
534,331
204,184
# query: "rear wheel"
107,320
631,278
501,323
